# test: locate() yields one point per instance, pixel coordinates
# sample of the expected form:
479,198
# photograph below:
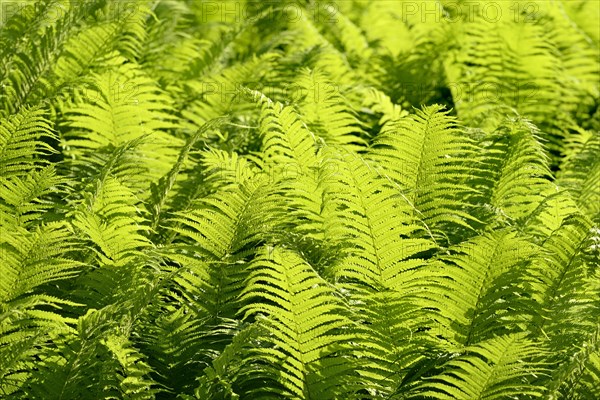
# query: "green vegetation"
307,200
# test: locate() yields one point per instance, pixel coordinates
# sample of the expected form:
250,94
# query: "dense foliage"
307,200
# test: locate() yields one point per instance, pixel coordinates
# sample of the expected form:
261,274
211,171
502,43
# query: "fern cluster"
303,200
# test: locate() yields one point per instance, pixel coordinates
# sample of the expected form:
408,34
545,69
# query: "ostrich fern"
351,200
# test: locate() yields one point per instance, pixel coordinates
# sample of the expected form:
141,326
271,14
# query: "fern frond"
220,379
109,218
26,81
549,215
286,138
307,34
397,339
227,224
169,48
22,141
135,384
326,112
538,63
380,103
191,321
576,378
515,169
478,287
377,20
224,223
24,197
424,154
222,92
565,287
579,11
580,174
376,222
312,225
498,368
305,326
30,317
35,258
101,346
123,106
160,191
501,64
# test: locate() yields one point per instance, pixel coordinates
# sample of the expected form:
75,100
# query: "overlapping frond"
514,171
122,106
29,63
476,287
580,173
286,138
326,111
22,141
566,287
498,368
319,200
425,155
377,223
30,317
305,326
223,223
109,218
